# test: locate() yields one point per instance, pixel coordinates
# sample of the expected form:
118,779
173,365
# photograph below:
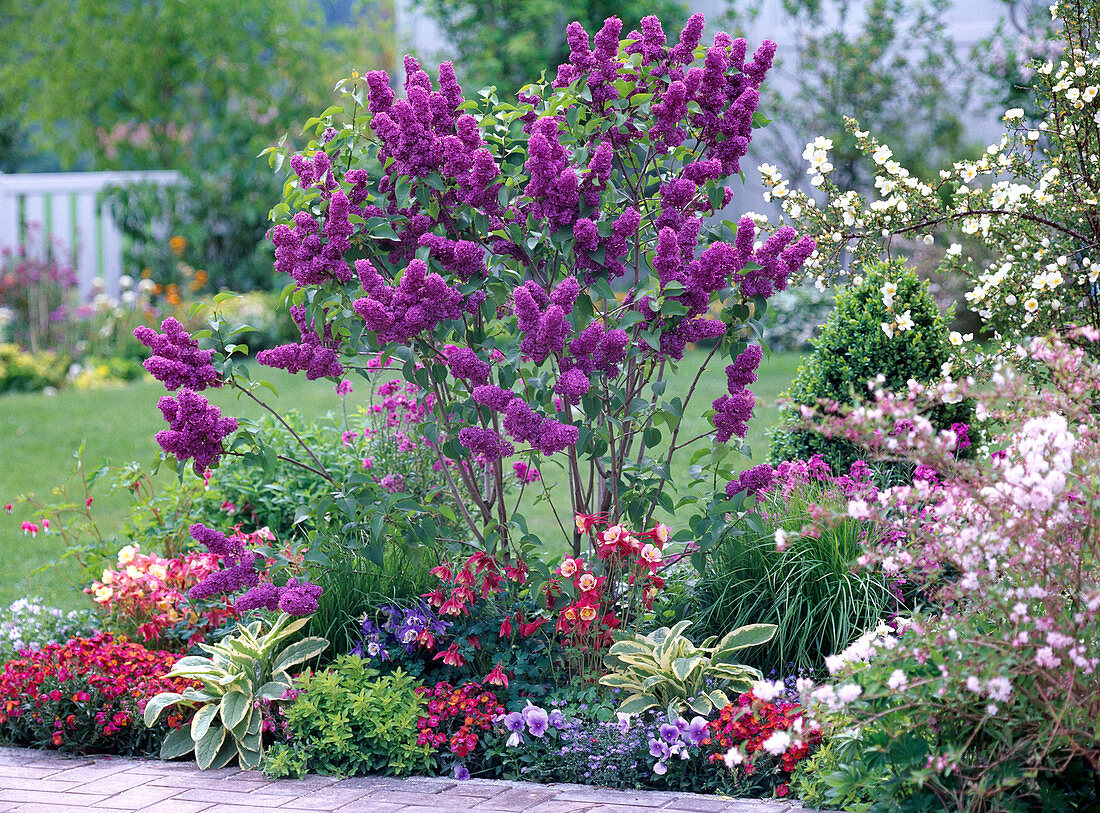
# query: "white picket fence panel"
69,209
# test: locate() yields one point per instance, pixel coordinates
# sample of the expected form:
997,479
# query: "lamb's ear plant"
664,669
245,668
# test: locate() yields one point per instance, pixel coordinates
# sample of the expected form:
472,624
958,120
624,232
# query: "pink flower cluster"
147,593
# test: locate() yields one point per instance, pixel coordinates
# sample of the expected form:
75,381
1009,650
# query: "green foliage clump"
240,674
665,670
30,372
348,720
825,779
854,347
810,591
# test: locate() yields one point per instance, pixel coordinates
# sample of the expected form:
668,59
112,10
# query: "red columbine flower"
506,627
517,572
450,656
570,567
8,507
586,521
526,630
497,677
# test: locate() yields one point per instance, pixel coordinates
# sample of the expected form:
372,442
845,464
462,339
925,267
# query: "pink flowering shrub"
977,698
536,268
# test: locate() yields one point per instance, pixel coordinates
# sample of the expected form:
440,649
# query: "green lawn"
40,434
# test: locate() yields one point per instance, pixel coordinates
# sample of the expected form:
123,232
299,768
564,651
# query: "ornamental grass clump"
536,267
764,571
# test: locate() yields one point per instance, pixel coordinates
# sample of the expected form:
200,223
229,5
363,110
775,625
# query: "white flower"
905,321
767,690
1031,305
1013,114
126,554
882,154
954,250
780,540
888,329
959,339
777,743
848,692
733,757
897,680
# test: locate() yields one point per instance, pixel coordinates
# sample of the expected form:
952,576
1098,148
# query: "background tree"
888,63
191,85
508,42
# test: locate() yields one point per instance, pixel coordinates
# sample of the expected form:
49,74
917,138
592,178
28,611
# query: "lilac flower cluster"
419,302
313,253
733,411
464,364
293,598
521,422
751,481
540,316
196,429
177,360
485,442
778,258
239,565
313,354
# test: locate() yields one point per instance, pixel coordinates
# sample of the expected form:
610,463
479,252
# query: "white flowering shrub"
1031,197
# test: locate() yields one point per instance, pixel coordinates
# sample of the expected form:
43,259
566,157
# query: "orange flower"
177,244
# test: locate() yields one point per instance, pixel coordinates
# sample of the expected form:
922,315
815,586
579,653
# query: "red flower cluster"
749,722
147,594
601,601
89,692
479,576
456,715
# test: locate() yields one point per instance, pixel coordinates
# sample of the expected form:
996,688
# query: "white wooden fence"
69,209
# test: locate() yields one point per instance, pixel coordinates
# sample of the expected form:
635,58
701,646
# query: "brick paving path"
45,782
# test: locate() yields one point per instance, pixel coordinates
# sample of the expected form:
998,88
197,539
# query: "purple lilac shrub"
538,268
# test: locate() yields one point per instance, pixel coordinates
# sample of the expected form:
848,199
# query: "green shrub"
810,590
347,720
825,779
853,347
30,372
